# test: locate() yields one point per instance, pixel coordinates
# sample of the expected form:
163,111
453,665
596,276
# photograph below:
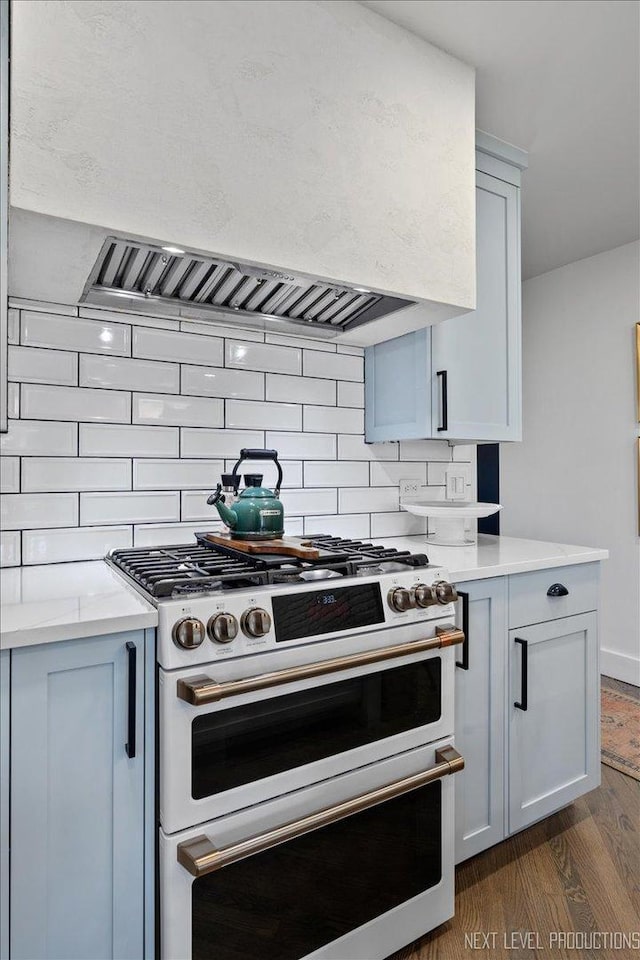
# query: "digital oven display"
311,614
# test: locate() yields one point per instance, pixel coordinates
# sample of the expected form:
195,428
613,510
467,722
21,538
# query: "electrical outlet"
456,479
409,488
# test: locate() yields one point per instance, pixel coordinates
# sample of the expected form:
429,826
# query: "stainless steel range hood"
67,262
149,278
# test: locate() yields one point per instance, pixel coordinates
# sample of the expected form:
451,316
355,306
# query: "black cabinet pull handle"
132,655
524,676
557,590
444,425
464,663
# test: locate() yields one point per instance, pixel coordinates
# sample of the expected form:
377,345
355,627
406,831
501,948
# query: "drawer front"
548,594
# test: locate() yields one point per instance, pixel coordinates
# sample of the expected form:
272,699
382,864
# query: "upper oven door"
298,722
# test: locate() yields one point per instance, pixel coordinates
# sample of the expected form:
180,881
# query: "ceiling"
559,78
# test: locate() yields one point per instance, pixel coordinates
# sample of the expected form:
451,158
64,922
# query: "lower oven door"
351,869
247,747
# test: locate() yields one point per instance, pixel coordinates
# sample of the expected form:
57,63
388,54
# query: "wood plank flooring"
579,870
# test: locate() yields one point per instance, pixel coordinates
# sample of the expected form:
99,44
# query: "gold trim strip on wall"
199,856
201,690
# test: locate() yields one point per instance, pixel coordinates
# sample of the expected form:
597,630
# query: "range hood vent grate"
147,278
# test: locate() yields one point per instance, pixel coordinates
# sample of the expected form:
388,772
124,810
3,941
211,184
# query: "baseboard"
620,666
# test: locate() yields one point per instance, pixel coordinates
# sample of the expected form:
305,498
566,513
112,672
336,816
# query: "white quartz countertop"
497,556
64,601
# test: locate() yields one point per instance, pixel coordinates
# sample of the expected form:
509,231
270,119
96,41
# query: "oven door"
354,868
284,733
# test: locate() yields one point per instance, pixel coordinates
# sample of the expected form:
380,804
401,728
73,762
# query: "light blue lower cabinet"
480,718
78,799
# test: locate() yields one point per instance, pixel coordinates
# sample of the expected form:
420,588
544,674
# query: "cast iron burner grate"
206,567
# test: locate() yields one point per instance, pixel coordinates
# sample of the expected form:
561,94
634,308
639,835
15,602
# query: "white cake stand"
448,518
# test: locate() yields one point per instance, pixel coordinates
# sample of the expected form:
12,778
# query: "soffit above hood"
63,261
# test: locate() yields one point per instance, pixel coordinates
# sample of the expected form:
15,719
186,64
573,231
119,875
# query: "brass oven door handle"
199,856
201,690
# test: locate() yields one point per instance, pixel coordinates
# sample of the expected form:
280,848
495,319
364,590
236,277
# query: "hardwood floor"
579,870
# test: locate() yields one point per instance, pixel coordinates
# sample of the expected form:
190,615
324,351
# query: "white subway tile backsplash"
36,365
173,403
294,446
354,525
58,474
215,329
42,402
333,419
425,450
384,474
181,347
338,367
195,506
309,501
124,373
9,474
165,534
308,343
262,356
72,333
44,306
217,443
10,548
354,448
281,387
39,437
175,474
13,401
111,440
336,473
397,525
24,511
350,394
219,382
177,410
368,500
291,471
97,508
251,414
73,543
13,326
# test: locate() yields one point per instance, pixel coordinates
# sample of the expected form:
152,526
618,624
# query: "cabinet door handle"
132,663
444,421
524,675
464,663
557,590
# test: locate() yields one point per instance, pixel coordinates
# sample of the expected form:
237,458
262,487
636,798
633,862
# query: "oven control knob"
222,628
400,599
424,595
445,592
255,622
188,633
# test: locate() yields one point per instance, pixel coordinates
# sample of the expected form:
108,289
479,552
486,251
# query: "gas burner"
319,573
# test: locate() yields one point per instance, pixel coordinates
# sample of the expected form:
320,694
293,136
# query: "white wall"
574,476
315,136
120,427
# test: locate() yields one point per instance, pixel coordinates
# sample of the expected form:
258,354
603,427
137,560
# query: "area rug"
621,732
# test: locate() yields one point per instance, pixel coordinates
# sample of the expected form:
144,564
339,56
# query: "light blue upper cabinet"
77,799
461,379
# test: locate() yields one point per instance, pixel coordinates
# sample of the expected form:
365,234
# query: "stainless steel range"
305,746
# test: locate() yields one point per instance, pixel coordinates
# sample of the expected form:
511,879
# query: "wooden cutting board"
285,546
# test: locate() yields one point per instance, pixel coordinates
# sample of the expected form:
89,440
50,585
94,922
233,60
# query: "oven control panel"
239,623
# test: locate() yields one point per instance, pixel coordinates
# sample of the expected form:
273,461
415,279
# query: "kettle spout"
227,516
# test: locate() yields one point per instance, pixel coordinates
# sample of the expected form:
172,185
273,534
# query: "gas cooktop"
180,570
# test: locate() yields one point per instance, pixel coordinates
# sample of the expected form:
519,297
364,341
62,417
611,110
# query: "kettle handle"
250,454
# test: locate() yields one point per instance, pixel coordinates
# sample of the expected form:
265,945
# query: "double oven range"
305,749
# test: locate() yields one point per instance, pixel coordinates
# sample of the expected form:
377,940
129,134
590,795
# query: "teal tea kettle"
257,514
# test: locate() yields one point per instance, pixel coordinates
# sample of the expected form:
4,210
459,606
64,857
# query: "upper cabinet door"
476,358
397,388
